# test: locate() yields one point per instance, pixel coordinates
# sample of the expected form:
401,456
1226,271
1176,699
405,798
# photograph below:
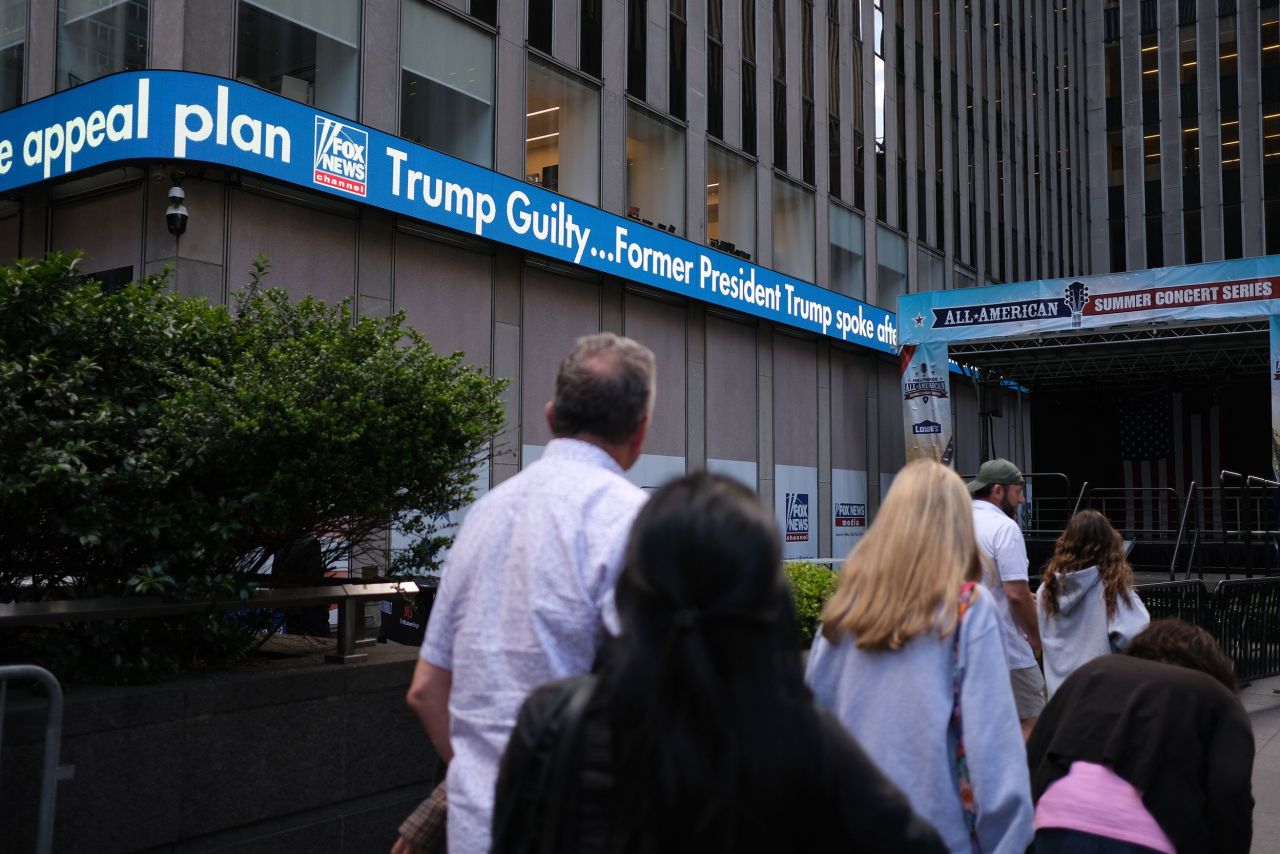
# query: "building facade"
1186,131
869,147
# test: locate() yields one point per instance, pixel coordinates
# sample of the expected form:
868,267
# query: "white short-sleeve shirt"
1000,539
525,598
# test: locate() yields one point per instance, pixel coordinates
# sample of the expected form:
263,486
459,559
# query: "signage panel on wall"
848,510
796,507
743,471
178,115
1215,290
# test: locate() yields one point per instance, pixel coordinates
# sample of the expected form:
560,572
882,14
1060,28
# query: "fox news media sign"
176,115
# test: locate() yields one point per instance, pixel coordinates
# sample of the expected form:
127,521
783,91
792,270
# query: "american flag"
1167,440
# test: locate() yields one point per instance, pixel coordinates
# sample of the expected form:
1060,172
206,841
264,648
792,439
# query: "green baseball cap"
997,471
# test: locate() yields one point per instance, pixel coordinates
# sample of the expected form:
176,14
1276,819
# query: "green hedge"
811,586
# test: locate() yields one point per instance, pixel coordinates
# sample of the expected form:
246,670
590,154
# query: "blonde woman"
911,661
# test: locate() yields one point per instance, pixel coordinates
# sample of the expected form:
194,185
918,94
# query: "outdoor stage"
1155,398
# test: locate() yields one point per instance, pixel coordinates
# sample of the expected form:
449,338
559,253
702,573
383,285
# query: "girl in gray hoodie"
1086,600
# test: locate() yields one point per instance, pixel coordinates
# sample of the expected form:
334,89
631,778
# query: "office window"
487,11
965,278
1113,87
715,68
446,83
13,36
655,171
562,133
309,52
808,121
676,77
930,270
731,203
96,39
590,37
542,15
833,99
859,141
749,76
877,22
848,252
637,46
891,267
793,229
779,84
1150,79
1270,66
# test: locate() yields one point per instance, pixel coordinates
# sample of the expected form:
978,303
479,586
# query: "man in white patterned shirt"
526,594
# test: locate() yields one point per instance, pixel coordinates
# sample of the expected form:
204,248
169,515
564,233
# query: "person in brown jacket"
1147,751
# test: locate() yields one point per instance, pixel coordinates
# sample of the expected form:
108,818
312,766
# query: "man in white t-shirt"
997,492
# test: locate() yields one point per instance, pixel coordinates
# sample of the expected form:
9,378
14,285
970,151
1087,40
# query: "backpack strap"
955,727
531,818
557,798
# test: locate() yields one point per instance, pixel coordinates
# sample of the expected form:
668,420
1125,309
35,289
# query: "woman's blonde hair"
904,577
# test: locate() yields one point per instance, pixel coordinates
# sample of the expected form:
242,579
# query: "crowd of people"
606,673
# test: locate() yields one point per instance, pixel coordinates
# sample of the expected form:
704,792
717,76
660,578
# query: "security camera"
175,217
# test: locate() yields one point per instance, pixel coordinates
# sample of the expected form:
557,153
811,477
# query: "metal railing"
49,774
349,597
1230,528
1183,600
1147,513
1248,624
1242,614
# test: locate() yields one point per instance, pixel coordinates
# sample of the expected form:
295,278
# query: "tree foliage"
156,443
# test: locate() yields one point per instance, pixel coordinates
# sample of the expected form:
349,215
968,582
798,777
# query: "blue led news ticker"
177,115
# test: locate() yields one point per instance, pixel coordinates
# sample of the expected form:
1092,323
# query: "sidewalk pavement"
1262,701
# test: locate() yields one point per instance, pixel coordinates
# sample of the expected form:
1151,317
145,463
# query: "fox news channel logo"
850,515
797,517
341,156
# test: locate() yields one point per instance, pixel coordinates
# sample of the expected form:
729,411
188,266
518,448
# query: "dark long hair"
1173,641
1089,540
712,723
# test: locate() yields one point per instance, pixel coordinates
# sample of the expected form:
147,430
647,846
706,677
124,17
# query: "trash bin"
404,620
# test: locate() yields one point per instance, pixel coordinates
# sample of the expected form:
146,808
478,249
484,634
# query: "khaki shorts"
1028,691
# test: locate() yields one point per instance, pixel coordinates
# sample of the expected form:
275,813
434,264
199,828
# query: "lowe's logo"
341,156
926,428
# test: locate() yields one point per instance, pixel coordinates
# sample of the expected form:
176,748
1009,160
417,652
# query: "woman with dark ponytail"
698,733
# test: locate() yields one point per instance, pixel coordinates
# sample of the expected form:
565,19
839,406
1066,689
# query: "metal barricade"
52,743
1183,600
1247,612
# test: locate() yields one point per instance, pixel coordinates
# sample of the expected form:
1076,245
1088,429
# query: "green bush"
159,444
811,586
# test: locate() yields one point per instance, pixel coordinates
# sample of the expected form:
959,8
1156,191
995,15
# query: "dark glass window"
780,84
541,23
589,38
676,77
637,46
715,68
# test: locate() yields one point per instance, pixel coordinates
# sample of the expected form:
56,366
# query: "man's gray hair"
604,388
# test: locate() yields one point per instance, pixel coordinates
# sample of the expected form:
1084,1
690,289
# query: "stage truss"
1217,351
